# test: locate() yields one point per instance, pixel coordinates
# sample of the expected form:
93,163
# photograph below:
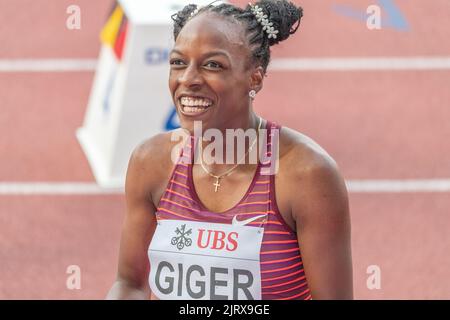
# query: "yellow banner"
110,31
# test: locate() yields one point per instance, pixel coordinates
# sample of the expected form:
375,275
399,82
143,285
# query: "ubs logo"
217,240
181,239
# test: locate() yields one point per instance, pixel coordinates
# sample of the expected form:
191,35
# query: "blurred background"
375,96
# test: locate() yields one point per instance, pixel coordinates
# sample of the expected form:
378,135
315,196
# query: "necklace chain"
230,171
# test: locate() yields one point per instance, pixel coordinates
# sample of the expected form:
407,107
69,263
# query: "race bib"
205,261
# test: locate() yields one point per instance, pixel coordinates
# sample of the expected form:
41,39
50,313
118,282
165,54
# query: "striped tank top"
281,266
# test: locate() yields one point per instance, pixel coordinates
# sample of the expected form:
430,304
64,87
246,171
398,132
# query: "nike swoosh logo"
236,223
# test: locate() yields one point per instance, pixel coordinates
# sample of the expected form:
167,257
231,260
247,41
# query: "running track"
389,124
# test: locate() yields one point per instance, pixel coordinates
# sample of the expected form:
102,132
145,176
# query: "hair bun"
284,15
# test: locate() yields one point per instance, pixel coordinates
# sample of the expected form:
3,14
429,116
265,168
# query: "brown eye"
176,62
214,65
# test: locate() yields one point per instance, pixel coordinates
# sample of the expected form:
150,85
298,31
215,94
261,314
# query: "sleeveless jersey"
281,270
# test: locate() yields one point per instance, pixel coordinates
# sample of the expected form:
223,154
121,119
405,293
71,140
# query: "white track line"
47,65
361,64
353,186
396,186
50,188
282,64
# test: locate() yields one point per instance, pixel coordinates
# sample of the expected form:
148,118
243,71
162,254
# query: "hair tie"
262,19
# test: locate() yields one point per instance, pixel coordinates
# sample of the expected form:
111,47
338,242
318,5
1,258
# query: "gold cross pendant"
216,184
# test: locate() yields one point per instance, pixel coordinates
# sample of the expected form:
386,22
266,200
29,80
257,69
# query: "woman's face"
209,74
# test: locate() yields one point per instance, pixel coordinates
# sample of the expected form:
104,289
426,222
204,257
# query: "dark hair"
283,14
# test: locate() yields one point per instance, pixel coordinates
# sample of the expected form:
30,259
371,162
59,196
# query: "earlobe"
257,79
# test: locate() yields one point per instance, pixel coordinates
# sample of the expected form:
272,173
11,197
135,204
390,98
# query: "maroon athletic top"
282,273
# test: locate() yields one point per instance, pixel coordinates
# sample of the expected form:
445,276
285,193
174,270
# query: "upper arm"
321,212
140,221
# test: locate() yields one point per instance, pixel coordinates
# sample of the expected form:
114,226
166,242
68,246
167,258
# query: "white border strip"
281,64
47,65
353,186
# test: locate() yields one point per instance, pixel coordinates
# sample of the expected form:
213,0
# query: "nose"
191,77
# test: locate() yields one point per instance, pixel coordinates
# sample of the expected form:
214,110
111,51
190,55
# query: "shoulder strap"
270,154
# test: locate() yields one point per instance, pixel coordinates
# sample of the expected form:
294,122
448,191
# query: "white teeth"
194,105
193,109
191,102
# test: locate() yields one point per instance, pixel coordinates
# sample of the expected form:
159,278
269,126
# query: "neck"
235,142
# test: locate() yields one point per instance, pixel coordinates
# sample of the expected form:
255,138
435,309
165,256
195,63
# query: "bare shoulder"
315,192
151,162
154,149
302,155
309,174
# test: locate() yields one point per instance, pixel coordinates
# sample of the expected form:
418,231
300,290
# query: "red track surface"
377,125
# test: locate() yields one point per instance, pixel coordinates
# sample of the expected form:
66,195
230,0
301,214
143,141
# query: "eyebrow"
208,54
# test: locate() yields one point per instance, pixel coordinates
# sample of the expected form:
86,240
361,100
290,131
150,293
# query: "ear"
257,78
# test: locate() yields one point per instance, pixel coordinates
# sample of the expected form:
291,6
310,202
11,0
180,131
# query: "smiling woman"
228,49
242,230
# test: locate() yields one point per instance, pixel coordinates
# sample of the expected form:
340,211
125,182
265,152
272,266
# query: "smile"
193,106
